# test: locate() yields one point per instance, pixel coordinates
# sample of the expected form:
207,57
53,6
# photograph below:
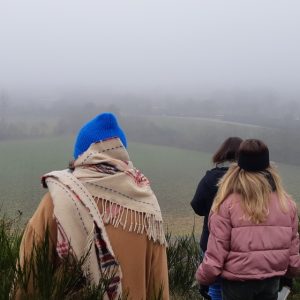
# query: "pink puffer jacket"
240,250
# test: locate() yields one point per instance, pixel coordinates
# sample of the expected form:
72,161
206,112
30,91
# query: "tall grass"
183,260
9,247
66,281
39,278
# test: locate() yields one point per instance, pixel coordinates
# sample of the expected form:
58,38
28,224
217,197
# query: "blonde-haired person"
253,229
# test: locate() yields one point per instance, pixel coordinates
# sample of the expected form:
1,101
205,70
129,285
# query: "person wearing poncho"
104,209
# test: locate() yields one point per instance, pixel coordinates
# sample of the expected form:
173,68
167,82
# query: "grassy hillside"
207,134
174,174
194,133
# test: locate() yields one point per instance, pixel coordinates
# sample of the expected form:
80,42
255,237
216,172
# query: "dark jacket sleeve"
203,197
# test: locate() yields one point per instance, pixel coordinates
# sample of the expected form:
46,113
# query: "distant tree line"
207,136
171,123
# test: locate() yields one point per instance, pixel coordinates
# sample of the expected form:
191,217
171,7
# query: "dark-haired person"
253,229
206,192
104,209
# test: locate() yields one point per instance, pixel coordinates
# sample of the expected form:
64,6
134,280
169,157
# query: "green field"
174,174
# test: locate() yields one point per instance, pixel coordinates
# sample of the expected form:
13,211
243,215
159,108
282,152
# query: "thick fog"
62,62
177,73
171,47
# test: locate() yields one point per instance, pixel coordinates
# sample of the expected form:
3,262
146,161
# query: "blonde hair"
254,189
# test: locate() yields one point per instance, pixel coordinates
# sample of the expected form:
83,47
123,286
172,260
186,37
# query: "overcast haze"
150,46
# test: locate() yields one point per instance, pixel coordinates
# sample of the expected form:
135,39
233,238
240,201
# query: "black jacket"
203,199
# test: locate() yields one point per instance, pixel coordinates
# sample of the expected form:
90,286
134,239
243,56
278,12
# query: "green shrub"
183,259
66,281
39,278
9,249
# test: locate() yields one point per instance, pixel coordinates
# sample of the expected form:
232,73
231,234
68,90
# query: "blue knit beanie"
102,127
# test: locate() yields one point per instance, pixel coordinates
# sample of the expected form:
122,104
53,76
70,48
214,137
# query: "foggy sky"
156,45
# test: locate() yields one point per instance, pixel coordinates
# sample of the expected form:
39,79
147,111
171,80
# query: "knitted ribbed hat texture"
102,127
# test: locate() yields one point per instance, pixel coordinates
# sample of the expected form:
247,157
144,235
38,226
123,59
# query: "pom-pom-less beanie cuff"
254,162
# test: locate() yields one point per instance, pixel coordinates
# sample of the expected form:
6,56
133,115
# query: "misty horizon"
155,48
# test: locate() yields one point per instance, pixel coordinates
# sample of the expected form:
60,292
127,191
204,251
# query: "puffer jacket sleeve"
294,262
218,245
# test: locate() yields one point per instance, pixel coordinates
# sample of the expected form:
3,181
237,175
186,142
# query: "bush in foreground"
66,281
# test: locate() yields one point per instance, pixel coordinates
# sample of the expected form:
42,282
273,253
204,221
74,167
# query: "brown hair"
253,146
71,165
228,150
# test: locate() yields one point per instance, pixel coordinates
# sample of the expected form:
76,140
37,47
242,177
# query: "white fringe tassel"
137,221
